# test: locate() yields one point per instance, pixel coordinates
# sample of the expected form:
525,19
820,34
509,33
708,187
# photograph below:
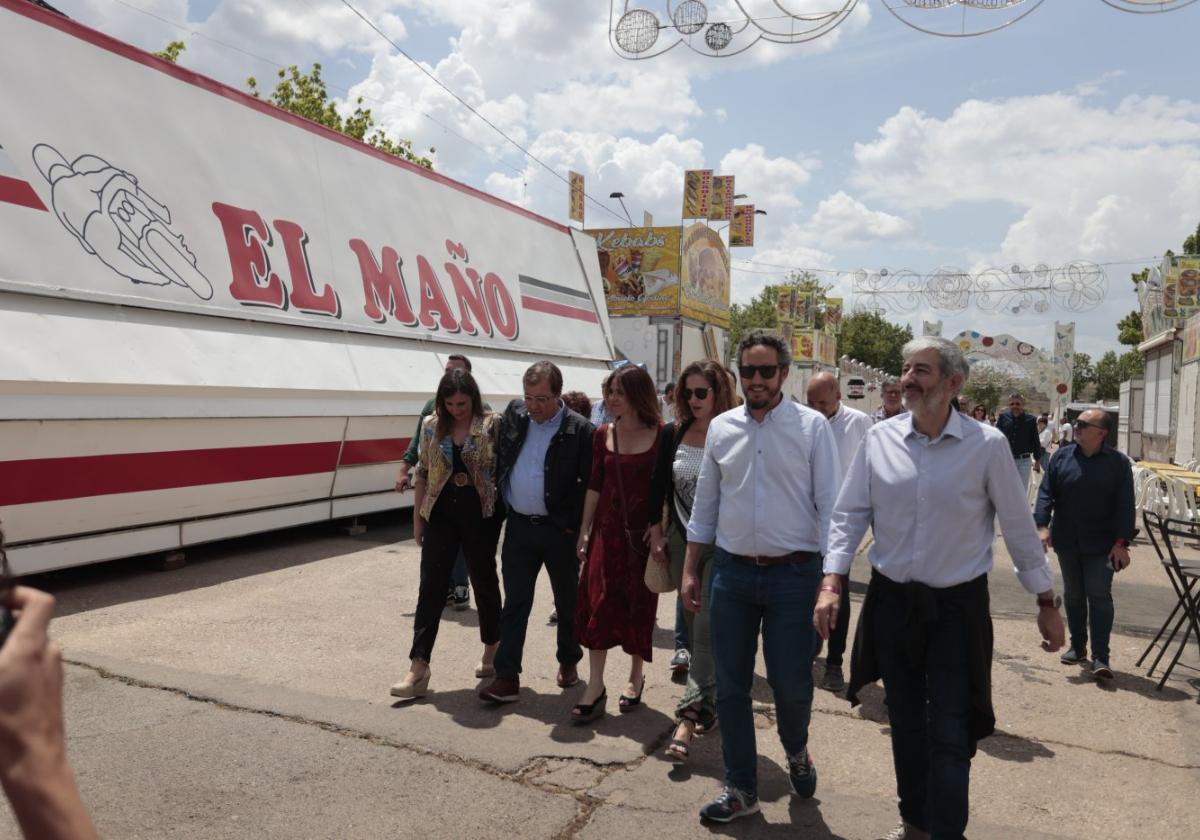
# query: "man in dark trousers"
1085,510
543,463
1023,437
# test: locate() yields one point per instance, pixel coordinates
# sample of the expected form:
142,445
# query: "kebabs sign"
640,267
199,198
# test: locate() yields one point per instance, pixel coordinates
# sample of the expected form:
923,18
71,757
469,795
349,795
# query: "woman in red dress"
614,607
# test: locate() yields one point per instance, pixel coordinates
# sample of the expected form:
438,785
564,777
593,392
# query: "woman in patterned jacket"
456,505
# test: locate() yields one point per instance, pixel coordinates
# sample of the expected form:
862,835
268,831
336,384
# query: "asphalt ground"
246,695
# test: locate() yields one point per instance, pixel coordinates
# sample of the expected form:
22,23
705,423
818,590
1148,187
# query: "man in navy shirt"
1085,509
1023,439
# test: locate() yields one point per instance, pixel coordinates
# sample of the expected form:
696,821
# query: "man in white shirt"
925,626
764,496
849,428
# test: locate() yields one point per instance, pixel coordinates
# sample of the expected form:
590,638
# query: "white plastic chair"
1181,501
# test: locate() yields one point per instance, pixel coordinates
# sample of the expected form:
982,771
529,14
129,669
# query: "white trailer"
219,318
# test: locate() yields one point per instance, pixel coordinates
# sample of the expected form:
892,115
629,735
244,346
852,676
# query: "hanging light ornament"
960,18
1147,7
635,31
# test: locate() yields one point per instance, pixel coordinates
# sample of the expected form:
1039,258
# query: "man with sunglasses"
931,485
543,463
767,484
849,428
1023,437
1085,510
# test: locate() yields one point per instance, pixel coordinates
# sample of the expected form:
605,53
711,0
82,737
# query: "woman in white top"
703,392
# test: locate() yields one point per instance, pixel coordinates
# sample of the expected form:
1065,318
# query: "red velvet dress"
614,607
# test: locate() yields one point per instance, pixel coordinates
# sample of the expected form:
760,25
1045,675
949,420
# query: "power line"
197,33
470,108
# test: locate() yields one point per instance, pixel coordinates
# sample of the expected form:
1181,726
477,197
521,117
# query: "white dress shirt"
766,488
932,504
849,428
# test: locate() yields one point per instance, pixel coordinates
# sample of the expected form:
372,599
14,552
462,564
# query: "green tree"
1130,329
989,385
1112,370
172,51
762,313
304,94
873,340
1082,374
1191,245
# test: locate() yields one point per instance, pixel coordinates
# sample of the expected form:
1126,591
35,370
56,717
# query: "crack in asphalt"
586,803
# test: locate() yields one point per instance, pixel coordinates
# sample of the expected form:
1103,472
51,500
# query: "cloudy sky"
1072,135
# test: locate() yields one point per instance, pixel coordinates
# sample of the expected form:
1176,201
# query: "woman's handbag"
658,575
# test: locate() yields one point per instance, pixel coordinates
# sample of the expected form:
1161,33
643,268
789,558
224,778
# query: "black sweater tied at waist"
923,604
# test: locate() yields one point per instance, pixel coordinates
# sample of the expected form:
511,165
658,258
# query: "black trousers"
527,547
928,708
456,522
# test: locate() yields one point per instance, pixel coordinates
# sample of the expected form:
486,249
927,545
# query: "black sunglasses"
1083,424
699,393
765,371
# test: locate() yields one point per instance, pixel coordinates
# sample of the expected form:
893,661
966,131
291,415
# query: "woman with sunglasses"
979,412
614,607
703,392
455,506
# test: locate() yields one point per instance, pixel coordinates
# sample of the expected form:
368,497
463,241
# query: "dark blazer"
662,483
568,461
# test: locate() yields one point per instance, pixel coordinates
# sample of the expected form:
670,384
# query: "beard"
762,399
916,399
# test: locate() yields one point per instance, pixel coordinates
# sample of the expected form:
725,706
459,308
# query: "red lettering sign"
304,293
470,300
500,306
247,238
383,285
433,302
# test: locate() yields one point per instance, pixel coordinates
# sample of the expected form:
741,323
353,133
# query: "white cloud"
843,220
1093,182
647,104
771,183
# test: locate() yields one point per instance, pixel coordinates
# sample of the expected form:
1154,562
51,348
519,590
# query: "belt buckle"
461,479
760,560
535,518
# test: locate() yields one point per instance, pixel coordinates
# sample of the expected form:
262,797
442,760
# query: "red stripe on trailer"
16,191
379,451
54,479
551,308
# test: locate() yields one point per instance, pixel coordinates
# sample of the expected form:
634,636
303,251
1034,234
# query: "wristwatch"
1054,602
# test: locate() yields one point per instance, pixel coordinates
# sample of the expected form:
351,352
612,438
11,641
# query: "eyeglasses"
1080,425
699,393
538,400
1016,405
765,371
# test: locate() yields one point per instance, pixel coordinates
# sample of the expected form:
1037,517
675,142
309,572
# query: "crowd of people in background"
756,507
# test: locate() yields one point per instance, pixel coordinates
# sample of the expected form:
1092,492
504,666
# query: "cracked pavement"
245,695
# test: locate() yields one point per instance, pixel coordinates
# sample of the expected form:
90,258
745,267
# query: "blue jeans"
1087,595
458,576
1024,469
780,601
682,642
928,708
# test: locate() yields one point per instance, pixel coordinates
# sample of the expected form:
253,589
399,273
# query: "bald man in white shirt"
931,485
849,428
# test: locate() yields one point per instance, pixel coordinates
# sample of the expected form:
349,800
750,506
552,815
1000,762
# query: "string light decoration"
960,18
635,32
1077,286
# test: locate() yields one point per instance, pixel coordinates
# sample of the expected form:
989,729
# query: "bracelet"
825,587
